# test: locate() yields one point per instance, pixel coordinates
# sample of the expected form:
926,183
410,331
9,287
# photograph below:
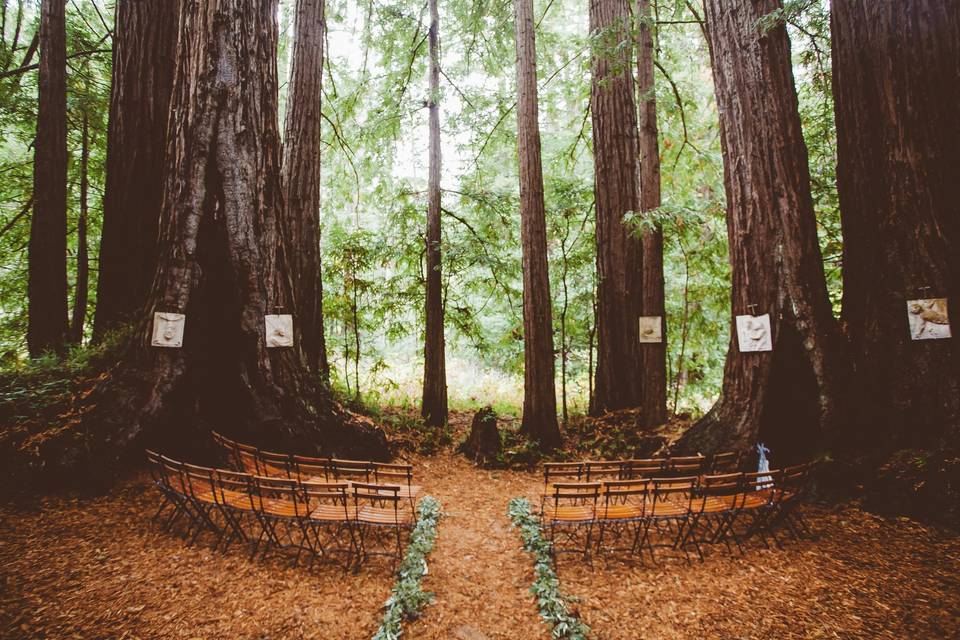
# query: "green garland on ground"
546,584
406,597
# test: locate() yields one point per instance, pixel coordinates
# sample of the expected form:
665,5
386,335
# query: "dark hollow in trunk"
434,404
224,264
613,110
539,392
791,396
144,47
47,274
301,179
653,392
896,75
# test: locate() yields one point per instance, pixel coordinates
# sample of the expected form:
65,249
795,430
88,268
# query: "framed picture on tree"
753,333
928,319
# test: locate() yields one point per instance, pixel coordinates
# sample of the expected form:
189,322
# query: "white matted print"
753,333
651,329
279,330
928,319
168,329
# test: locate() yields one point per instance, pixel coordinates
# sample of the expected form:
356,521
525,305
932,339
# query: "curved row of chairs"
593,470
626,515
341,521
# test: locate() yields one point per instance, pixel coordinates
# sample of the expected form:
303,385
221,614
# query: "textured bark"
896,88
539,392
301,179
47,278
83,259
618,383
224,265
653,398
145,40
434,406
791,396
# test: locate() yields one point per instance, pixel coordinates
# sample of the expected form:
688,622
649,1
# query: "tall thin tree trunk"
83,260
896,85
47,278
224,265
791,396
653,398
434,406
301,179
539,392
612,106
144,47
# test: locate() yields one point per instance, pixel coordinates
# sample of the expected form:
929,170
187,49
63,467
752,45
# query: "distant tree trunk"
301,179
539,392
613,109
653,398
47,278
896,85
83,259
791,396
224,265
434,407
145,41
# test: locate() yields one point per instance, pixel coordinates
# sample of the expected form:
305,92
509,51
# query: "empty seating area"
323,509
629,507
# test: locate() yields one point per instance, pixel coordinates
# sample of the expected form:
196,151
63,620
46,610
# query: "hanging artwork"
753,333
928,319
651,329
168,329
279,330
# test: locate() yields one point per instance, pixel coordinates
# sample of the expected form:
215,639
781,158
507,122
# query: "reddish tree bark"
896,77
612,106
434,404
145,41
791,396
301,179
47,328
82,284
653,394
539,392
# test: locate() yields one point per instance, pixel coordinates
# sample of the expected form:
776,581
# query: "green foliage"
554,606
407,597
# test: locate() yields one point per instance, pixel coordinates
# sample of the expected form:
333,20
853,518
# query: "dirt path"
478,571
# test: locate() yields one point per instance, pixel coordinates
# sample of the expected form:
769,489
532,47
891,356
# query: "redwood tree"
896,75
144,46
434,404
613,110
539,392
223,264
790,396
82,284
653,398
301,178
47,276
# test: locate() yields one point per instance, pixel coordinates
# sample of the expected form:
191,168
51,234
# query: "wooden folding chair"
198,482
278,465
789,494
331,521
568,509
233,494
401,475
623,503
168,483
599,470
563,471
641,468
351,470
311,469
281,507
758,505
686,466
670,506
379,519
717,501
723,463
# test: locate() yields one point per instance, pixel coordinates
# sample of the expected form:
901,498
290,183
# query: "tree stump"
483,444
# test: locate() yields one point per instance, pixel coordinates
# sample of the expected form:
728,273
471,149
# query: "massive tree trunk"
224,264
618,383
80,293
788,397
896,75
434,406
653,398
539,392
47,278
144,47
301,179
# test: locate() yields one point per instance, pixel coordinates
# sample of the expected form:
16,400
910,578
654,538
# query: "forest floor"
95,568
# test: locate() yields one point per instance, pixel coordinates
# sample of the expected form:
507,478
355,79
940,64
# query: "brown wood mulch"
94,569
